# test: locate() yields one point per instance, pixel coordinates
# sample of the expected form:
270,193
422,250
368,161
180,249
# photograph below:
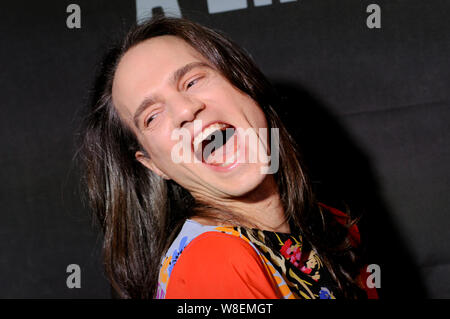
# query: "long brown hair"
137,209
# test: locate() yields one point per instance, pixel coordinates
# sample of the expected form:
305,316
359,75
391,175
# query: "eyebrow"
175,78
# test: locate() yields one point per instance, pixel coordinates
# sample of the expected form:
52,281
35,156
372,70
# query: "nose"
185,109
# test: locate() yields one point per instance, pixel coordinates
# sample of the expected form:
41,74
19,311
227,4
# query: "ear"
147,162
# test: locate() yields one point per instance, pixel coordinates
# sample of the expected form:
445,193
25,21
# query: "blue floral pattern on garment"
324,293
177,252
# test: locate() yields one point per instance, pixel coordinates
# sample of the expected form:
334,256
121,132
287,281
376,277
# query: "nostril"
200,108
183,123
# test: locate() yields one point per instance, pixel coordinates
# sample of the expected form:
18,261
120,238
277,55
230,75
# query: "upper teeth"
206,132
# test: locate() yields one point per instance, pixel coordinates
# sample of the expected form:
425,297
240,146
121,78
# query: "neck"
261,207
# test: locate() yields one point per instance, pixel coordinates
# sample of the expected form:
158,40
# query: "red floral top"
237,262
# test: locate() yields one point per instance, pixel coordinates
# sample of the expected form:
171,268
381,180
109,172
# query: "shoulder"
229,247
220,265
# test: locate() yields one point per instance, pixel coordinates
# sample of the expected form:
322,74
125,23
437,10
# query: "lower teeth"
229,160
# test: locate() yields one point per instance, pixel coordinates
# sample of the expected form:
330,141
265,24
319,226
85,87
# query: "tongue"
218,151
216,157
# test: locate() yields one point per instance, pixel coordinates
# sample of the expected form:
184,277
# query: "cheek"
260,117
255,115
168,154
163,155
246,106
159,148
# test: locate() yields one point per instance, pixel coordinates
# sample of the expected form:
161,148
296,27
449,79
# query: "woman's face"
163,86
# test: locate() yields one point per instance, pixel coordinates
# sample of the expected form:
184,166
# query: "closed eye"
150,119
193,82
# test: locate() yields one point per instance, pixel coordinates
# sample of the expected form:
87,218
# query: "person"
207,223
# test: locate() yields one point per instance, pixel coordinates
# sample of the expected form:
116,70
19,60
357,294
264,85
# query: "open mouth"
216,145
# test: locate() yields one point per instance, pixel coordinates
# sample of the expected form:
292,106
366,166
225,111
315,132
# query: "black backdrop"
369,107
